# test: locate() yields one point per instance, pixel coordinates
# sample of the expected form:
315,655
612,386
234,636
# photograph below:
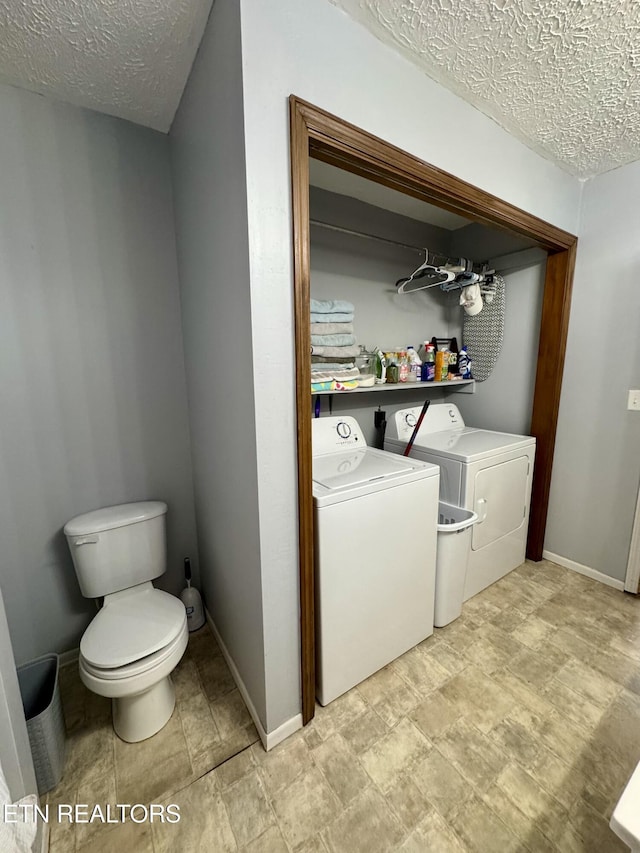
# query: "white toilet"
140,633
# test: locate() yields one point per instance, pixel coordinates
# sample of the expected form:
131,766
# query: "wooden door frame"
317,133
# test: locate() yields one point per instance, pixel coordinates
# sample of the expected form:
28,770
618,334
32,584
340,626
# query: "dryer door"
499,498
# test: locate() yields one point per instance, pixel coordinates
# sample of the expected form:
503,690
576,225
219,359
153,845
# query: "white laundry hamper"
454,541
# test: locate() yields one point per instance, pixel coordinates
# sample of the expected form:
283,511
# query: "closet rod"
342,230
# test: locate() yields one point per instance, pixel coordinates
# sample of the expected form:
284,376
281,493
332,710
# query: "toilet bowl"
123,656
140,633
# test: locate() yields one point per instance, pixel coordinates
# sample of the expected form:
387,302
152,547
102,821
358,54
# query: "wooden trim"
347,146
300,202
326,137
554,324
632,578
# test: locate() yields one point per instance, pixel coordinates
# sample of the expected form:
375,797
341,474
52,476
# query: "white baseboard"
583,570
282,732
269,739
69,657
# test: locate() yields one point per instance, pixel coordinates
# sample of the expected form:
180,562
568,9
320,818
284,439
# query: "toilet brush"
192,601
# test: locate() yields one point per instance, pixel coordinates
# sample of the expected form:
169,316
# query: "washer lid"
352,474
113,516
356,467
131,627
470,445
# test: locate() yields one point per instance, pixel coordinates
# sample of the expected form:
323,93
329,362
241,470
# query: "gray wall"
93,397
365,271
207,144
597,460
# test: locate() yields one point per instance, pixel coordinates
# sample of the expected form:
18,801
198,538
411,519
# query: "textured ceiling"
561,75
128,58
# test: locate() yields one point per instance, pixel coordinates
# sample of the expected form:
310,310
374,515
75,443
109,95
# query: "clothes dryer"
481,470
375,551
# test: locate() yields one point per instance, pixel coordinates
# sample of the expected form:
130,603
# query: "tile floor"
210,724
513,729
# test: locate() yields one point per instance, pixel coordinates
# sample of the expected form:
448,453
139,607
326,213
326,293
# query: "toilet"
140,633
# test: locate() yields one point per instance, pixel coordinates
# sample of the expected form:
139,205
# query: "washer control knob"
343,429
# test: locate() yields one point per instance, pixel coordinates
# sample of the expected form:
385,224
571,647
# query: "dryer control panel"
439,417
331,435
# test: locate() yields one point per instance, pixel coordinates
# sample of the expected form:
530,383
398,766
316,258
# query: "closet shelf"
465,386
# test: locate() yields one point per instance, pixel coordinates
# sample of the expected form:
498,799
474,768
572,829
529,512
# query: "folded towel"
329,385
331,328
325,364
333,361
340,375
333,340
352,351
330,306
349,385
336,317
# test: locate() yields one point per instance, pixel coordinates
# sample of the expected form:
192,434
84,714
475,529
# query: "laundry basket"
40,693
454,535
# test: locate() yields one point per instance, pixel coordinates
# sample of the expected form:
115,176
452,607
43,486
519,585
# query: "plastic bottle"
453,369
381,367
392,368
464,364
440,365
427,373
445,365
415,365
191,599
403,366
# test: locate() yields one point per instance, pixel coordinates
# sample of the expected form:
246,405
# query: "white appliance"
375,551
487,472
140,633
625,820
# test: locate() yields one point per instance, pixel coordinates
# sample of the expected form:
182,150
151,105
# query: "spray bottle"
192,601
381,367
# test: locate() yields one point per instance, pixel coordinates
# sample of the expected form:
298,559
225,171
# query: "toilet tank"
118,547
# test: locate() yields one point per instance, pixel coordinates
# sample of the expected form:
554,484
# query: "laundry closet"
388,274
365,237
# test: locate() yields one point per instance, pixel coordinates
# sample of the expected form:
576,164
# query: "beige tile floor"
513,729
209,725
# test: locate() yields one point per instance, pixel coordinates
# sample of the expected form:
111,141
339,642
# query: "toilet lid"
132,627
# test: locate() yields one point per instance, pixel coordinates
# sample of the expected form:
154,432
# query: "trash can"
40,691
454,541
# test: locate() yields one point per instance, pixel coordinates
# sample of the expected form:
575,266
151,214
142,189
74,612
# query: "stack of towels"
333,346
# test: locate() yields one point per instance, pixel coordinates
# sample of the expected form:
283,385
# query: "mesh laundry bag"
483,333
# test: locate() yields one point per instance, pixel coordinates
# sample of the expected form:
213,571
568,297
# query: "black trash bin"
40,692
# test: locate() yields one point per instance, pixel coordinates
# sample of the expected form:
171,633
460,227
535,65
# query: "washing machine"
481,470
375,554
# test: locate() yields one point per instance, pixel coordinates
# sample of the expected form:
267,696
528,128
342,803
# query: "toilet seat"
142,694
133,625
141,666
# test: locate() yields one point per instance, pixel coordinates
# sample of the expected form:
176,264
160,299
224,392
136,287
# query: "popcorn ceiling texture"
561,75
127,58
